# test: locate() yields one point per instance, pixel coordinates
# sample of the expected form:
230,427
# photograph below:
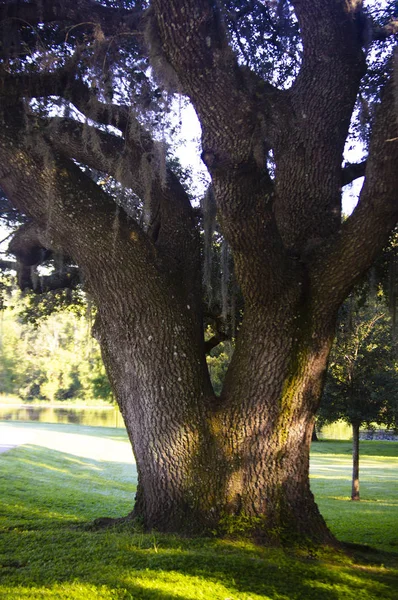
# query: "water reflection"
96,417
111,417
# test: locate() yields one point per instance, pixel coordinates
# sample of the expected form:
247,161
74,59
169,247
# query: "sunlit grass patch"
38,477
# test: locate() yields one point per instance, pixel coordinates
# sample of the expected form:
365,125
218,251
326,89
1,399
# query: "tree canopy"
362,383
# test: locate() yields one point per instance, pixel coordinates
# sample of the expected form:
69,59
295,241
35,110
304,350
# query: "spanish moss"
209,210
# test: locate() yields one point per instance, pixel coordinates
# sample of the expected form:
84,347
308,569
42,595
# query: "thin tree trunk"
355,462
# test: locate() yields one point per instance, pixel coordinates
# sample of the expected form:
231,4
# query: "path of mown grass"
67,475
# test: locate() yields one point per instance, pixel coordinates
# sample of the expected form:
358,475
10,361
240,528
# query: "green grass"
374,520
67,475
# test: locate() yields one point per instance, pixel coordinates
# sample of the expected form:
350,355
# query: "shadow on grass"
45,552
165,567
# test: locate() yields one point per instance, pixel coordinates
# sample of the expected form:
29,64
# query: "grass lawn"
67,475
374,520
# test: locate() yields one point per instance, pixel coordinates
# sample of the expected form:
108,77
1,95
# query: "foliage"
385,271
9,215
218,360
266,38
54,358
362,382
47,550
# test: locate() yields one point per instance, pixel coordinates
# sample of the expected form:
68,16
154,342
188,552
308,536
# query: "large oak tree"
80,107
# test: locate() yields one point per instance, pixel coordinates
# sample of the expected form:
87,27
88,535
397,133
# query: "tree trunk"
238,464
155,361
355,461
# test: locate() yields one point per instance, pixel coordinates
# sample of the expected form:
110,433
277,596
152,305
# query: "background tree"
87,89
47,352
362,380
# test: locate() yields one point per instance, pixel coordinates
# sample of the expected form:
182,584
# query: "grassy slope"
68,475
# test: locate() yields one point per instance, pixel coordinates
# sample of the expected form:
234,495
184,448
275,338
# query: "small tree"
362,380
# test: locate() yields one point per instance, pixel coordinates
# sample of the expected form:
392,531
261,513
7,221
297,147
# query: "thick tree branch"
364,233
218,327
49,189
30,245
214,341
101,150
63,83
352,171
134,160
15,87
175,238
315,125
136,163
69,278
333,59
8,265
119,116
383,33
197,48
328,29
85,14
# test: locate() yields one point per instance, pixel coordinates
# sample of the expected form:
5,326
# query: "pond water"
110,416
96,417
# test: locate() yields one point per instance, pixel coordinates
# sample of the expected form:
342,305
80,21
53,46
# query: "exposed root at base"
114,523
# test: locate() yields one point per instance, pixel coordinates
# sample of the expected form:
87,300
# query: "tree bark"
238,464
355,461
